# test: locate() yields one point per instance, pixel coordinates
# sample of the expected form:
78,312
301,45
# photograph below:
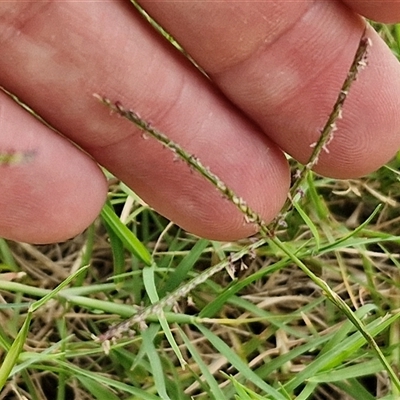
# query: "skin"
275,69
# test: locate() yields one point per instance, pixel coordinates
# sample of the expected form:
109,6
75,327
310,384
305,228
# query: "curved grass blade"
150,286
15,350
239,364
128,238
209,378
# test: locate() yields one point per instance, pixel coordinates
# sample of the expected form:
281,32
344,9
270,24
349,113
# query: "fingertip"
49,190
42,204
380,10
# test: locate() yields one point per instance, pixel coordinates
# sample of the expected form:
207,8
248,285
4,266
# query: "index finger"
60,53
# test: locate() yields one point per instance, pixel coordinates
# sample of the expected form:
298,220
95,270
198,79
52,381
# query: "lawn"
135,308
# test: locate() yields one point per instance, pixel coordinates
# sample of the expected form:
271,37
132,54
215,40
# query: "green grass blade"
181,271
14,352
356,390
7,257
243,392
78,373
310,224
130,241
149,283
39,303
308,391
239,364
337,339
97,389
353,371
346,240
397,36
155,362
150,286
336,356
208,377
341,305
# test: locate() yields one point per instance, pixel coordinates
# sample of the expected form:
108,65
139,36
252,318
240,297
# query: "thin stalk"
169,300
250,215
327,133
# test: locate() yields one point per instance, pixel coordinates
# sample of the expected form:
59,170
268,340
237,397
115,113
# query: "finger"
63,52
284,64
383,10
52,191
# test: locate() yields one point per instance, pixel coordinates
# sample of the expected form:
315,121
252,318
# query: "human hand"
281,64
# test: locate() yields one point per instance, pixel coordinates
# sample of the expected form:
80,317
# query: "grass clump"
310,311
